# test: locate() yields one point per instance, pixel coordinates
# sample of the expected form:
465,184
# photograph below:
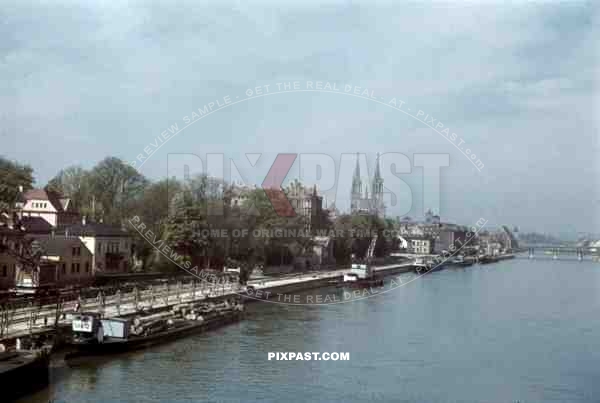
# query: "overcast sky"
518,83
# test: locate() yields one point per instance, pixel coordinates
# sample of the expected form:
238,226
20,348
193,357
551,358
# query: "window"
64,268
99,246
87,267
4,271
77,266
72,267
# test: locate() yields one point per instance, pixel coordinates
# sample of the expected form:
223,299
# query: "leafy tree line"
196,218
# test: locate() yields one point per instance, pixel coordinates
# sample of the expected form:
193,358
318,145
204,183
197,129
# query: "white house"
51,206
110,245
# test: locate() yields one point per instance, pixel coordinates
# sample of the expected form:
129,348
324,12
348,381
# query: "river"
516,330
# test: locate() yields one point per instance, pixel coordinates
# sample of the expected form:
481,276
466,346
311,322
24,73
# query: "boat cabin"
87,326
90,326
360,270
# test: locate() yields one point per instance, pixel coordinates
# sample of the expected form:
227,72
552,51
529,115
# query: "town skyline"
416,216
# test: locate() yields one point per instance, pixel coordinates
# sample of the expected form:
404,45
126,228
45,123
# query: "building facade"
445,237
110,246
306,203
421,245
10,246
72,260
237,194
452,238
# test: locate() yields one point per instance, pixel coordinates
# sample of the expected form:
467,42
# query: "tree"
13,175
356,232
182,228
262,222
75,183
153,209
117,187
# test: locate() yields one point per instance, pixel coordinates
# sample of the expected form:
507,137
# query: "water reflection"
516,330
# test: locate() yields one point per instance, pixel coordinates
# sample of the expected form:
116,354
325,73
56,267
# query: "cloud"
519,82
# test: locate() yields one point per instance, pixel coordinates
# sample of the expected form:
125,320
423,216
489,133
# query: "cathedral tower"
357,188
377,205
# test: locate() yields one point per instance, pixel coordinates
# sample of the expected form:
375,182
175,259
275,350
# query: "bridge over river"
556,252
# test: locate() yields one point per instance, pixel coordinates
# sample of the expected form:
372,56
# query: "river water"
516,330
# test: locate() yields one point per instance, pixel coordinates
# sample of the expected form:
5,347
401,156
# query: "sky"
517,82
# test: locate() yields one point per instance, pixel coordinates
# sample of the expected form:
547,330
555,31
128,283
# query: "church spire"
377,169
356,181
377,184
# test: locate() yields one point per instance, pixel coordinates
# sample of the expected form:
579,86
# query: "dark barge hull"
117,346
22,373
363,283
487,260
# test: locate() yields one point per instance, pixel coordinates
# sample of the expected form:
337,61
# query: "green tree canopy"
13,175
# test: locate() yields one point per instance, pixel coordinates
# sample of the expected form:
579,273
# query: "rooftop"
58,201
36,225
95,229
59,246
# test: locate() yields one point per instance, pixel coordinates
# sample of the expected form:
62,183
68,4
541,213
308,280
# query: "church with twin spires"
361,201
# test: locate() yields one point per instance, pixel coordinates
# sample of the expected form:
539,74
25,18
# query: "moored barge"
93,335
361,276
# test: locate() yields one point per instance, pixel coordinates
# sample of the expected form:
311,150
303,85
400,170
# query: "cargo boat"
360,276
93,335
485,259
352,280
463,262
361,273
23,372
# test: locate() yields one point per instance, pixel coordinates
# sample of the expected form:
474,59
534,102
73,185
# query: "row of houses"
431,236
44,241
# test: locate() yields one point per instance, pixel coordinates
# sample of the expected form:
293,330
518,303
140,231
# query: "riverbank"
165,299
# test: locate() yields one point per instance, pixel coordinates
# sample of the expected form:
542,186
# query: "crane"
361,268
371,249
